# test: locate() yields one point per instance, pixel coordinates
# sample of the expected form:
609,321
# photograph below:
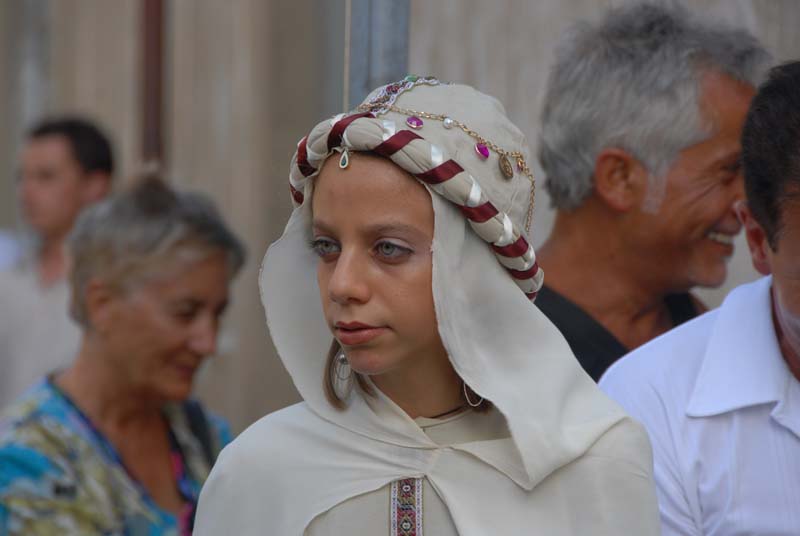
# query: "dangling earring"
466,395
341,362
344,380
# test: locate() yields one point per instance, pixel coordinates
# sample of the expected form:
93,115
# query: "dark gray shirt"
594,346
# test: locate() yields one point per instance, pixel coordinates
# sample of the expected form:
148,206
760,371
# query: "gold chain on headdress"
449,122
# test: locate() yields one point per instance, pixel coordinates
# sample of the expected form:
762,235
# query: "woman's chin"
368,364
176,391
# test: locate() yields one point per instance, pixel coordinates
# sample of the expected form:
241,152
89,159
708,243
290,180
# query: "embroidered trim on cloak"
406,510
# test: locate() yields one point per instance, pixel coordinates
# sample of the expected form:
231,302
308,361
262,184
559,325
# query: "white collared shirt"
723,413
37,335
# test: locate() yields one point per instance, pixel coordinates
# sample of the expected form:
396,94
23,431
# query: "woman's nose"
348,281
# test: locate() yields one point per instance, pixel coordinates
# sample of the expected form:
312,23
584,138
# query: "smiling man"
720,396
640,145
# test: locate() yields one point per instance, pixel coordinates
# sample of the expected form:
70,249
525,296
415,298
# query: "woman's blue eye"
324,247
390,250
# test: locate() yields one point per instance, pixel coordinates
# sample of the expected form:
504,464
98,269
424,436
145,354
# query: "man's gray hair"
145,232
633,82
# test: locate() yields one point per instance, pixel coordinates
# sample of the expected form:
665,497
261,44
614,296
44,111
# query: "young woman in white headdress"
437,398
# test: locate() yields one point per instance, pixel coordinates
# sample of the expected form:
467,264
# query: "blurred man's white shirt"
10,250
723,413
37,335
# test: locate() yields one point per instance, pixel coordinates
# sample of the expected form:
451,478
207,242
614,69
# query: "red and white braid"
429,164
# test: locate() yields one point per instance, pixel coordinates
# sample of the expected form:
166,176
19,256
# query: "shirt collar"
501,453
742,365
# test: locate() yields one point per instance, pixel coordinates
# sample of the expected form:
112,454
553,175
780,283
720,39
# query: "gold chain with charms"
522,165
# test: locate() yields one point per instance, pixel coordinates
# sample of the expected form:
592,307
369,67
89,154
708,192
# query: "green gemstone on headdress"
412,78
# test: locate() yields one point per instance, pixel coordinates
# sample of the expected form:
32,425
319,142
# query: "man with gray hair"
640,144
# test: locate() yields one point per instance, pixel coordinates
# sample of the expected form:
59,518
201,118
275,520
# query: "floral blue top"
59,475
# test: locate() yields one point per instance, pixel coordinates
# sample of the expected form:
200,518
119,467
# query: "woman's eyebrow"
319,225
379,228
393,227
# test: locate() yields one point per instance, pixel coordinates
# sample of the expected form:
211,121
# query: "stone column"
376,51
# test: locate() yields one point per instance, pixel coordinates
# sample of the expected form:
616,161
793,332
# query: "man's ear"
97,185
620,180
756,238
99,298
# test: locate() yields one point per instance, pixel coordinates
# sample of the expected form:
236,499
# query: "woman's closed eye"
185,311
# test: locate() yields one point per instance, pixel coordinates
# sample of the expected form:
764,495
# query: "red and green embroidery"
407,507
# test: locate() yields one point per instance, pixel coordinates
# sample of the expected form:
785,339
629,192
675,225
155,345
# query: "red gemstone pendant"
414,122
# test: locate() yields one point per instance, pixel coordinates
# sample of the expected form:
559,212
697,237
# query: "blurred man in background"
66,164
640,144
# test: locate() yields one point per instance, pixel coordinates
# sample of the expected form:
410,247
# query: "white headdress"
498,341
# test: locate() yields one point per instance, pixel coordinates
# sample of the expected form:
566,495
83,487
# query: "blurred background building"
217,94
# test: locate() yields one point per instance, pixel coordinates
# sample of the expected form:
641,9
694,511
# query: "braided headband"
428,163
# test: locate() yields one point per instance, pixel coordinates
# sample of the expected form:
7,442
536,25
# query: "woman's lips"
355,333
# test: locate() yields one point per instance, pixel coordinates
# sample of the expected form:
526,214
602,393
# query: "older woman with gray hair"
113,444
640,144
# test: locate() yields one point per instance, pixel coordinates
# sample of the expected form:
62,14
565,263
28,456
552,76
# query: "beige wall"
504,48
246,79
94,69
7,209
22,58
221,140
249,78
90,66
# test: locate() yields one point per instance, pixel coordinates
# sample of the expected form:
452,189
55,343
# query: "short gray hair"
140,233
632,82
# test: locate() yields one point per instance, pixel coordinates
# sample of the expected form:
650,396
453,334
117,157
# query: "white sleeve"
255,486
621,486
224,504
245,495
642,402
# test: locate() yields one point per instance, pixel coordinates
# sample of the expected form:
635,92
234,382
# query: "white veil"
500,344
300,462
